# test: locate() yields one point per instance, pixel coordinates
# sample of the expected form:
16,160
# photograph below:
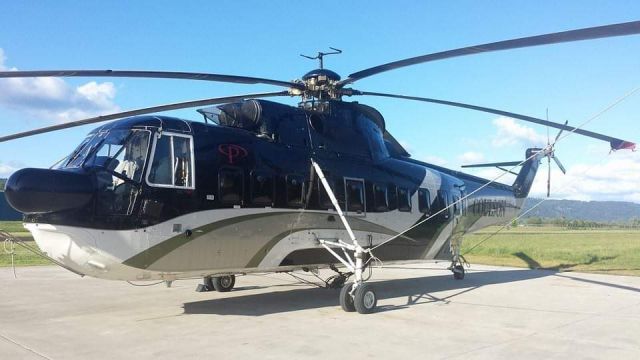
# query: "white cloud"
431,159
471,157
428,158
492,174
8,168
53,98
511,133
617,179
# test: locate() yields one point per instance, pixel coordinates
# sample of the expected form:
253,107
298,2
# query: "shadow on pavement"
602,283
416,290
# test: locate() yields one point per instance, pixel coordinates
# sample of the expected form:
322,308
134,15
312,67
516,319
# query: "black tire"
365,299
224,283
458,272
346,300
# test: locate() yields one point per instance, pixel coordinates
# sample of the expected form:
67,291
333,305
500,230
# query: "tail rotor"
549,152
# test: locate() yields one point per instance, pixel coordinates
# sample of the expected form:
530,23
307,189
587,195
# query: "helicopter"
260,186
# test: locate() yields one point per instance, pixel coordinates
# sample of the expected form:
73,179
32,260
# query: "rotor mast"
319,84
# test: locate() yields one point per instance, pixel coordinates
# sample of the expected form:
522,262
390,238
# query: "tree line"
578,224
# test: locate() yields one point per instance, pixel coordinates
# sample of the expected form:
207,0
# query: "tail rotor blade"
548,176
560,132
548,143
564,171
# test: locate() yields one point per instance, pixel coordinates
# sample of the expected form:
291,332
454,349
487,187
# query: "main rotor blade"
142,111
150,74
621,29
616,144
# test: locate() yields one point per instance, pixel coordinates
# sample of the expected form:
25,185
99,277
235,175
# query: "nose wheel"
362,299
217,283
346,299
458,272
224,283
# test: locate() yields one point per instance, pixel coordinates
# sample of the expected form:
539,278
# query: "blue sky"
263,39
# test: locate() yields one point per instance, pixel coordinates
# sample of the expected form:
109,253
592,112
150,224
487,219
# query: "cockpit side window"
182,162
172,164
128,159
160,171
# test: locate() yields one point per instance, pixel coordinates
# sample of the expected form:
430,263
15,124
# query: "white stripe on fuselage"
100,253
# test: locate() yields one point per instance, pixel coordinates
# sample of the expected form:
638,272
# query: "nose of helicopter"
38,191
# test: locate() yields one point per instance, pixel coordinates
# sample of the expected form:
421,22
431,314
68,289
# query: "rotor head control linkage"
322,55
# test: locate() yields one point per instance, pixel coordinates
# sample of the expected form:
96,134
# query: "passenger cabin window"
231,186
354,190
380,197
442,202
392,194
323,198
404,199
262,188
454,202
424,201
172,164
457,205
295,190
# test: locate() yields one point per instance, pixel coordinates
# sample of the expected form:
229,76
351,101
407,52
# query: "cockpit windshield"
121,152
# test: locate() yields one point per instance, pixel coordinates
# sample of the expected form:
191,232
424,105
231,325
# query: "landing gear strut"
217,283
358,296
457,262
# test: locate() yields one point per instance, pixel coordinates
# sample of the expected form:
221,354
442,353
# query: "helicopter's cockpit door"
172,162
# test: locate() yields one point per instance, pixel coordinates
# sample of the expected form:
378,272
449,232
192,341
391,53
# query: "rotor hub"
319,84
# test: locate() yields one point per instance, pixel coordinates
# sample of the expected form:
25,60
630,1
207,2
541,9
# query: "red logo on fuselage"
233,152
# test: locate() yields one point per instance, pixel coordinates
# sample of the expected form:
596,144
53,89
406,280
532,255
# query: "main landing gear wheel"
346,300
223,283
458,272
365,299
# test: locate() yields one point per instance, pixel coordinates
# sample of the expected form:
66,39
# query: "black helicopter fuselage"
254,166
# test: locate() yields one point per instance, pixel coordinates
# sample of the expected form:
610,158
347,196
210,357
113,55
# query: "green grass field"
603,250
606,250
22,256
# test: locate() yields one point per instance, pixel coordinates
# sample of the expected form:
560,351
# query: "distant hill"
599,211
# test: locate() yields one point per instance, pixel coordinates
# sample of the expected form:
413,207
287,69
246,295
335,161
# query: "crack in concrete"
24,347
